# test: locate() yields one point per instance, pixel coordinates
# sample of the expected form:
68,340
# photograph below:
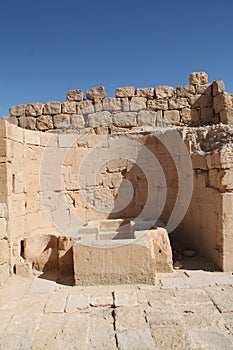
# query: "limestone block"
98,105
85,107
159,118
218,87
198,78
221,102
147,118
136,339
145,92
61,121
32,137
13,120
15,133
199,161
172,117
4,251
126,91
97,92
17,111
207,115
52,107
205,89
112,104
4,273
186,115
68,107
98,119
195,115
74,95
3,210
185,91
34,109
77,121
157,104
27,123
125,104
125,119
3,147
200,101
226,116
24,269
122,263
162,92
137,103
178,103
3,228
44,122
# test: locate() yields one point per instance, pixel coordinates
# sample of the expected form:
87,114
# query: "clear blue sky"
51,46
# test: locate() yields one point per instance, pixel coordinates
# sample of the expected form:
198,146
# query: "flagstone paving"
184,310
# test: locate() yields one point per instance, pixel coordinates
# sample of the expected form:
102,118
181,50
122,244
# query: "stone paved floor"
185,310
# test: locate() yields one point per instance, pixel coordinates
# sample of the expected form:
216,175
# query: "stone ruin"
94,189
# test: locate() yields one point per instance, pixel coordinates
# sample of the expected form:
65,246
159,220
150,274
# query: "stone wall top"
196,104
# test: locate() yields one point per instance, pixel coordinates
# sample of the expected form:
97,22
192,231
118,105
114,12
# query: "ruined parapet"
199,103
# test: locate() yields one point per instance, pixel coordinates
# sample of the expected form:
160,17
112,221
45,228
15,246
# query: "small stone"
145,92
196,78
17,111
188,253
218,87
162,92
126,91
177,265
51,108
45,122
68,107
97,92
74,95
34,109
61,121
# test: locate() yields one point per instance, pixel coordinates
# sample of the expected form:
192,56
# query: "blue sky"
51,46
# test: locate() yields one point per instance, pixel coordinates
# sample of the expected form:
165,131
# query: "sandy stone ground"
184,310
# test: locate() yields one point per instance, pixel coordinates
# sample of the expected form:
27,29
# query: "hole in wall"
22,248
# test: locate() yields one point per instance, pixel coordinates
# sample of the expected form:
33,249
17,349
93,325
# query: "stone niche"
83,173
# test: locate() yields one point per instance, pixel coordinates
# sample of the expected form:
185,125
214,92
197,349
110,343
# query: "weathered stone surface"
103,335
172,117
3,232
34,109
178,103
200,78
85,107
112,104
129,318
226,116
221,102
135,339
125,298
207,114
13,120
185,91
201,101
125,119
77,121
4,251
3,210
45,122
68,107
56,302
145,92
172,338
52,107
24,269
77,301
205,89
186,116
4,273
98,119
61,121
101,298
157,104
27,123
218,87
162,92
126,91
97,92
74,95
147,118
137,103
17,111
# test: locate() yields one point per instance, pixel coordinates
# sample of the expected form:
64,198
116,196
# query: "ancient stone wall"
71,138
